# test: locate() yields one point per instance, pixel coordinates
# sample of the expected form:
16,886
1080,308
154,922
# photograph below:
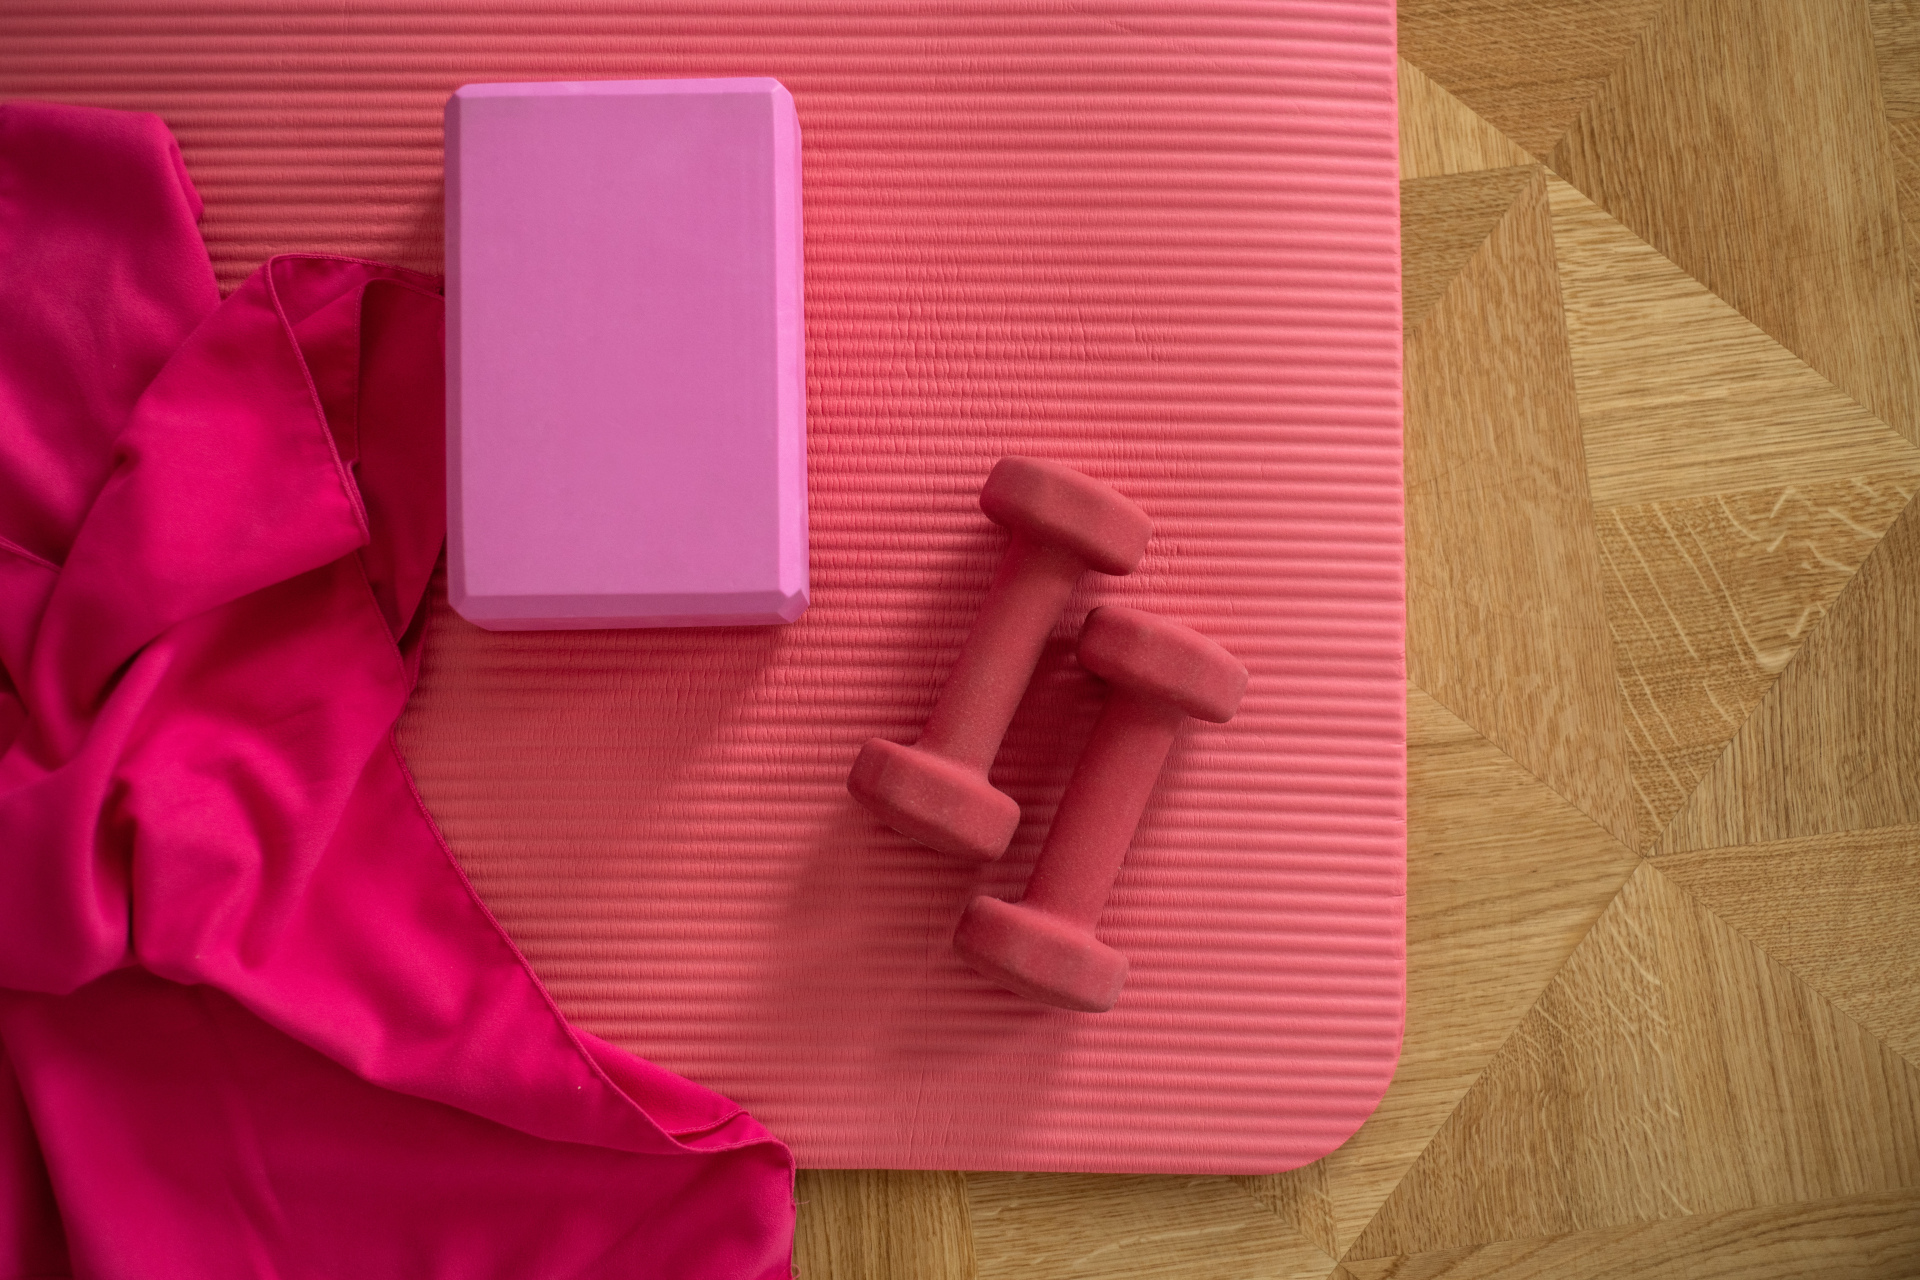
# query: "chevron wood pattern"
1794,219
1444,218
1662,272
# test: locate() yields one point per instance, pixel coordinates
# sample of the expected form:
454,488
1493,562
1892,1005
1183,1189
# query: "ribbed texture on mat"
1156,242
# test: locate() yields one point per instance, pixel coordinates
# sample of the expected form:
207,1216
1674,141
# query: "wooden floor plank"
1736,492
1506,624
1682,396
1871,1237
1795,219
1896,50
1528,66
1302,1197
1904,140
1672,1068
1443,222
1032,1226
1440,135
1835,743
1836,909
1710,598
1784,1098
870,1224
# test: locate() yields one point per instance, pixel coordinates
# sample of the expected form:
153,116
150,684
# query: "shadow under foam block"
626,402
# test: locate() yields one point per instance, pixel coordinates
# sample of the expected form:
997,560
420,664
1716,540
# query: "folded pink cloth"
254,1020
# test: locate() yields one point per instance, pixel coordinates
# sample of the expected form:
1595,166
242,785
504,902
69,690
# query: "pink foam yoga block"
626,402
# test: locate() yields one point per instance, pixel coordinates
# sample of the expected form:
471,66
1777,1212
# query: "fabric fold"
259,1021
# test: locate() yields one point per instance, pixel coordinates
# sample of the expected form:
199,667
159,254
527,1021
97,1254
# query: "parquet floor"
1663,430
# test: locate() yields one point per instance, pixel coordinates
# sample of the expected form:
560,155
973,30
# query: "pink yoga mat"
1157,242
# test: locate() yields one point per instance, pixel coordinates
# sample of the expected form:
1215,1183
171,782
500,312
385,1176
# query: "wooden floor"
1663,399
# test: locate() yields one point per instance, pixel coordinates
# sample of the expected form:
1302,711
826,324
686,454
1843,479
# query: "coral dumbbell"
936,791
1043,946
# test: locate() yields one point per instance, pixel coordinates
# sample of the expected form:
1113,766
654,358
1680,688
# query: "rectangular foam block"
626,400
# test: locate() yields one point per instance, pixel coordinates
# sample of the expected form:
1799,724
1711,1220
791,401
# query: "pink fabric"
255,1022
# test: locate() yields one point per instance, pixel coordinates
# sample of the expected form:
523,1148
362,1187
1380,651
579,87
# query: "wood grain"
1302,1197
1503,880
1736,492
1709,598
1680,395
1532,1149
1040,1226
1896,50
1871,1237
1830,909
1505,620
1783,1097
1795,220
1903,137
1835,743
1443,221
877,1224
1528,66
1671,1069
1440,135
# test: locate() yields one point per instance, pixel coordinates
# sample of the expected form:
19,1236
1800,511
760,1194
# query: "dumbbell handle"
988,679
1101,808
